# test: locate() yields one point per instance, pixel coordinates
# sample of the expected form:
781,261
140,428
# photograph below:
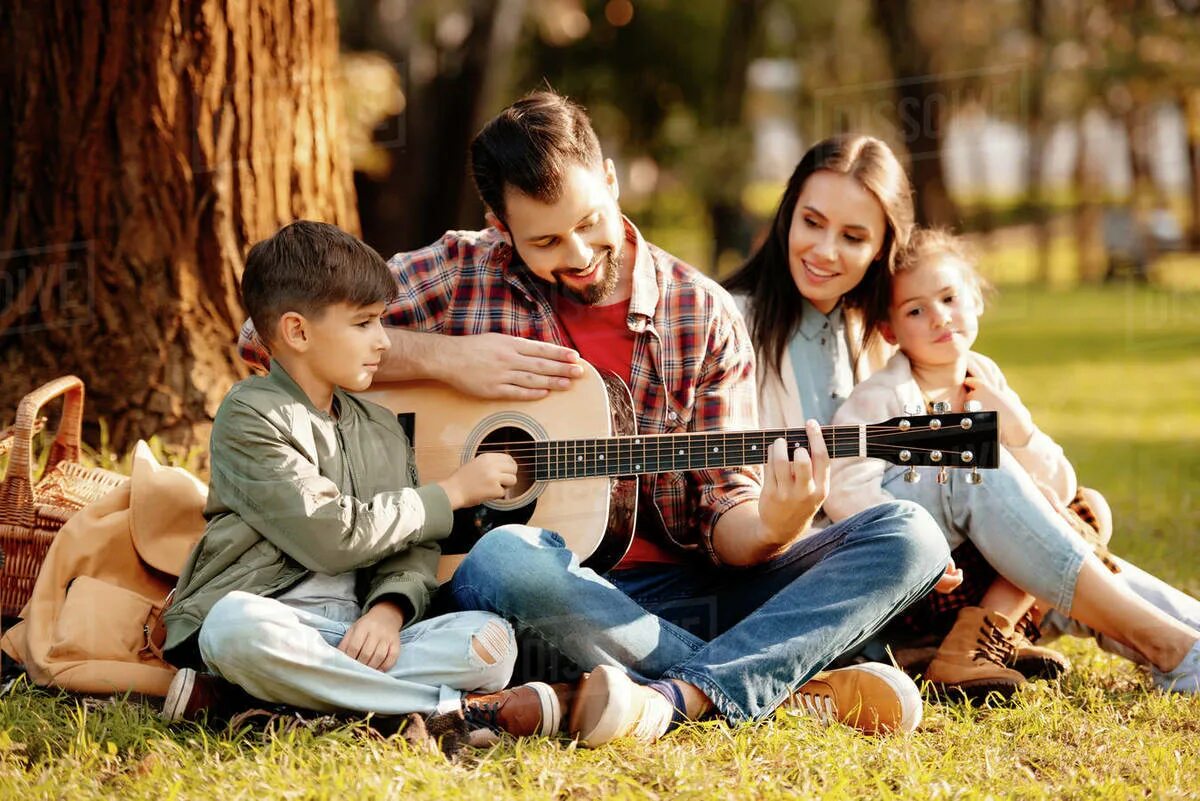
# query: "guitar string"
693,461
874,435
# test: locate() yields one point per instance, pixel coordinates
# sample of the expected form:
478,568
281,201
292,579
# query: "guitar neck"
669,453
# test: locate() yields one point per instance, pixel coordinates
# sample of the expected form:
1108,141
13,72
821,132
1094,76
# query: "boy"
319,557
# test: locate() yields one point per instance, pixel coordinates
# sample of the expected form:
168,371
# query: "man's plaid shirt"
692,366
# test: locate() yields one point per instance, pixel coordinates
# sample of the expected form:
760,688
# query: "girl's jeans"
1009,520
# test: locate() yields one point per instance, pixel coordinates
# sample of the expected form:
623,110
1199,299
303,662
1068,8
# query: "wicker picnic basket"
30,515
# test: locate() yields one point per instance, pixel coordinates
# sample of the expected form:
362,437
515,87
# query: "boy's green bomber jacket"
275,517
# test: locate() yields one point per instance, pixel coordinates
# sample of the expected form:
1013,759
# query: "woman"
845,212
844,216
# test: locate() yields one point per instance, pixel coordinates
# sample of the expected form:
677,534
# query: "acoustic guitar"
579,454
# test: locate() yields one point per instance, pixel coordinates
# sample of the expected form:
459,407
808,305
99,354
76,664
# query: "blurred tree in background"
706,106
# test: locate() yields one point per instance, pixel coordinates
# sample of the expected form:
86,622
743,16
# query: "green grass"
1113,373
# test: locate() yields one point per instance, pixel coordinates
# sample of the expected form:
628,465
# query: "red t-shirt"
602,337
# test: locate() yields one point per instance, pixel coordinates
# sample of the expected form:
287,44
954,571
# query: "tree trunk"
738,46
919,101
143,147
1087,224
1191,109
1036,130
428,189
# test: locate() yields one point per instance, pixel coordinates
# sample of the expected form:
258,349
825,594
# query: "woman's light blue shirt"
820,356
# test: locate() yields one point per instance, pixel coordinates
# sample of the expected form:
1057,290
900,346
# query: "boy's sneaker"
530,709
872,697
1185,678
191,695
610,705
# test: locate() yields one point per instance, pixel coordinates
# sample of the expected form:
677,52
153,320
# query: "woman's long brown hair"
775,302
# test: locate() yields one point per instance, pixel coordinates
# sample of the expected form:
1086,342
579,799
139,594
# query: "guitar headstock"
952,439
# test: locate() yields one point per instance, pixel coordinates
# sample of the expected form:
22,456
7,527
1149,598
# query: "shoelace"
993,645
482,715
819,705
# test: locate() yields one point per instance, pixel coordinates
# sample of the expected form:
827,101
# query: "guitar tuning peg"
942,475
914,409
974,477
941,407
973,406
911,476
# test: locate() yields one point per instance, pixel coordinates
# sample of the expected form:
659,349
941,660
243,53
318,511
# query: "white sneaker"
872,697
1184,678
609,705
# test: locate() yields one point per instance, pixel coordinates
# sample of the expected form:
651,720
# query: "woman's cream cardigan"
778,395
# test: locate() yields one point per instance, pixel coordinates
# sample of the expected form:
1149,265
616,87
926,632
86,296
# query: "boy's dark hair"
308,266
529,146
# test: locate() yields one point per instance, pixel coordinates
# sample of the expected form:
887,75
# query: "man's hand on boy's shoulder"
374,639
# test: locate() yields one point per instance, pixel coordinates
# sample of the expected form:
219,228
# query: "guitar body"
595,516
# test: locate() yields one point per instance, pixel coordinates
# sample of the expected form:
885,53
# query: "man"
560,272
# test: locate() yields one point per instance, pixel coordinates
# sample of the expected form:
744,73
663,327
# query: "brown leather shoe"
191,695
971,660
530,709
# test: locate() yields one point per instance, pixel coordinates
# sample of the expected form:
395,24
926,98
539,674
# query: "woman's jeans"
287,654
1009,520
747,637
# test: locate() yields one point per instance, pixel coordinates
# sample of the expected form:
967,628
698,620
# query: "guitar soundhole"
471,524
519,445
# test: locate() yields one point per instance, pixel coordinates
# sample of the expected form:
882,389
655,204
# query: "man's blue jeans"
747,637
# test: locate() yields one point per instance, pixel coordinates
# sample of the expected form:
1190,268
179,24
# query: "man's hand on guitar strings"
793,490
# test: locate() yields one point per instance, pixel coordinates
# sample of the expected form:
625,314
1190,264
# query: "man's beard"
597,292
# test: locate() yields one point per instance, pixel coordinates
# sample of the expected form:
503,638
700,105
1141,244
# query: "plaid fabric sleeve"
252,349
425,283
725,399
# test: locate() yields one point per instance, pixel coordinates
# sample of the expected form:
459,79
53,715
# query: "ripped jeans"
286,654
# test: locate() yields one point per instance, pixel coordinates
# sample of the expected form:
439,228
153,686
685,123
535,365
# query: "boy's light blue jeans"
284,654
1009,520
747,637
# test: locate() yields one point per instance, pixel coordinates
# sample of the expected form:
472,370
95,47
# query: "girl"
1012,517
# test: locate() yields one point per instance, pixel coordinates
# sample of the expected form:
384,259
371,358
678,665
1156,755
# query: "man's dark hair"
308,266
529,146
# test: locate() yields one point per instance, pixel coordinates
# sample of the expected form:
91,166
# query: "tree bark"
143,147
428,189
919,100
739,44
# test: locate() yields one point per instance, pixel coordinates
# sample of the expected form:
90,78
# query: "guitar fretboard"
668,453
